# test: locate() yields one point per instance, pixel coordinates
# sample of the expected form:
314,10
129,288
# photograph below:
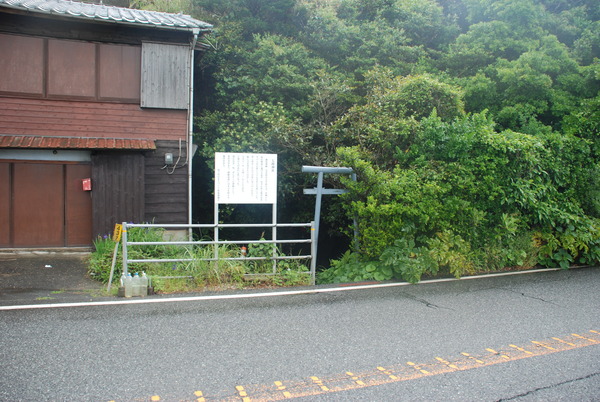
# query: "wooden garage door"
47,206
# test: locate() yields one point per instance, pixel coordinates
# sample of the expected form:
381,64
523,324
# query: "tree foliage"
473,125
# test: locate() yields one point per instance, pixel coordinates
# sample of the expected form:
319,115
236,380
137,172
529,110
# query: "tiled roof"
35,141
99,12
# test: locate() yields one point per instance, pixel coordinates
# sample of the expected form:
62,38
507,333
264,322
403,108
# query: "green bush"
463,198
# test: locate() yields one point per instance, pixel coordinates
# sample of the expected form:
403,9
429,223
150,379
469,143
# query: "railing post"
313,253
274,237
216,236
124,237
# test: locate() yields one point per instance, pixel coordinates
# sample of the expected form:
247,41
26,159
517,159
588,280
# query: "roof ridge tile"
108,13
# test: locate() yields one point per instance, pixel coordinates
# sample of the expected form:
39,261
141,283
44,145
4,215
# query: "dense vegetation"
195,271
473,125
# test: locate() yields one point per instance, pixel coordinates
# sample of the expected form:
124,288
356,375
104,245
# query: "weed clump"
197,268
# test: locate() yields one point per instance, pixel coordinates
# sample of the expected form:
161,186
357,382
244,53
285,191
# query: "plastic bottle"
144,284
137,282
121,291
128,283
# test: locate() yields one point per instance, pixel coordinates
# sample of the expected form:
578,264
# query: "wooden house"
95,120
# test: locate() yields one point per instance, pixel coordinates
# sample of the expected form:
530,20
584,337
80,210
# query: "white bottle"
144,284
137,291
128,285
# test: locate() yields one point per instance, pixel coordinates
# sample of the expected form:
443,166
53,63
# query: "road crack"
425,302
531,297
533,391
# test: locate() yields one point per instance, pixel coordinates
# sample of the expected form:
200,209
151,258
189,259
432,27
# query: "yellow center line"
387,372
560,340
305,388
471,357
498,353
521,349
241,391
583,337
319,383
281,387
413,365
542,345
446,362
355,378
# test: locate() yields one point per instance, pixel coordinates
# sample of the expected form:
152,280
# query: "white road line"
265,294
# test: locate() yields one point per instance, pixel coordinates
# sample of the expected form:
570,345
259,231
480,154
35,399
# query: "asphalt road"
528,337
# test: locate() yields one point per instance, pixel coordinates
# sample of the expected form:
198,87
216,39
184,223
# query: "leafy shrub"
452,252
463,198
349,268
403,260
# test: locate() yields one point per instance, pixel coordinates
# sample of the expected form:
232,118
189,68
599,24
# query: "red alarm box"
87,184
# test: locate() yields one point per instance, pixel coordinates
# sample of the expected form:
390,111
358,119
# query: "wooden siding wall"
5,196
165,76
117,190
19,116
166,194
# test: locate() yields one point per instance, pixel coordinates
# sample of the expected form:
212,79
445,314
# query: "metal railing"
274,257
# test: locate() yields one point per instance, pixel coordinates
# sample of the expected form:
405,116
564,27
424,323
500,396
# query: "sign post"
116,238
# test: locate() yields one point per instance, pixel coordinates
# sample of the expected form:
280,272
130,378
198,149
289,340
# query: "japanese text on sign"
117,232
242,178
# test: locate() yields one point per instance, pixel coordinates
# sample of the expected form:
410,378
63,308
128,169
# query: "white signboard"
242,178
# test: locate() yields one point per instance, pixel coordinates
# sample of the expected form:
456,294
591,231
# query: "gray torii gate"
319,191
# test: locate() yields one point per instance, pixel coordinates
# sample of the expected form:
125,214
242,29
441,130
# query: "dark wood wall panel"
71,68
119,72
5,204
22,64
118,190
166,194
38,205
78,208
42,204
51,68
19,116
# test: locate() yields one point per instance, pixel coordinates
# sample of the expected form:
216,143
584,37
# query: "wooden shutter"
165,76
